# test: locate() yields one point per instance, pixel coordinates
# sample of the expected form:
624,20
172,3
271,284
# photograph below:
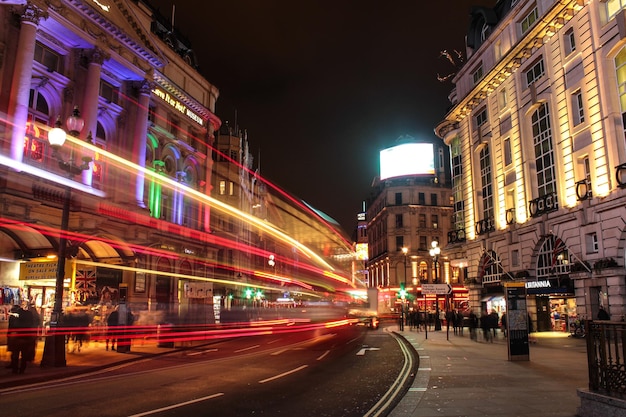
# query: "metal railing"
606,357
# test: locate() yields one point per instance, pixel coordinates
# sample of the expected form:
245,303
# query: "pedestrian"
112,323
450,320
459,322
503,324
485,325
602,314
493,322
21,338
473,325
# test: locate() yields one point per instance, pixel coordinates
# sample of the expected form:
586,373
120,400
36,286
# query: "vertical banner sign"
517,321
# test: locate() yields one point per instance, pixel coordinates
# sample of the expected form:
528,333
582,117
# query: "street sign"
439,289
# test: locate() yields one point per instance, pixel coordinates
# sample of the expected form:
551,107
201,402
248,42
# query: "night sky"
321,86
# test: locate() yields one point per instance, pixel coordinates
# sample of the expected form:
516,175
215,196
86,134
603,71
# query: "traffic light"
402,293
248,293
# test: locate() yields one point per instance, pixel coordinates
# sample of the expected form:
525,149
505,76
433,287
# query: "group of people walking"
24,326
22,337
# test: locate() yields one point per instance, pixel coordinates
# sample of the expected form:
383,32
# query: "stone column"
89,108
22,75
139,139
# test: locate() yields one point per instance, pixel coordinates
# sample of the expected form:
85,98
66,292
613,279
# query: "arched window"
36,148
490,269
553,258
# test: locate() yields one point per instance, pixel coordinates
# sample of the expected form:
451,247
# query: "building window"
222,187
174,125
481,117
503,99
570,41
422,220
508,155
399,243
578,108
478,74
535,72
529,20
433,199
48,58
441,159
553,258
614,6
515,258
421,199
544,153
399,221
108,92
398,199
457,184
486,183
497,48
620,65
35,143
592,242
435,221
423,243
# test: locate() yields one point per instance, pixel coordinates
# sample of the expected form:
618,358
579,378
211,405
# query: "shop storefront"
552,303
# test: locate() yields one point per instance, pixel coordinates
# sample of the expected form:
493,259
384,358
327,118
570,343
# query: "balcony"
485,226
456,236
542,205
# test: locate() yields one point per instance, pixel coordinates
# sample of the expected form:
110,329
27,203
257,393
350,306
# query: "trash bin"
164,336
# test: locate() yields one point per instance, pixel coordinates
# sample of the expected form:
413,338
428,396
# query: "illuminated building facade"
409,209
148,114
152,220
536,133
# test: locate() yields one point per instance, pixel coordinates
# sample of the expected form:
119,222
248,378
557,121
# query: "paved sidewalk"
461,377
93,356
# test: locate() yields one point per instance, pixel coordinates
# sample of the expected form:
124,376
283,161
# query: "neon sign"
166,97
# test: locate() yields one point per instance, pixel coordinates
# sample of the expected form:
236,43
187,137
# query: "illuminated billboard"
407,159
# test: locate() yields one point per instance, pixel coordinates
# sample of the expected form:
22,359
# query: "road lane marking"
278,352
263,381
201,352
417,389
170,407
323,355
248,348
362,351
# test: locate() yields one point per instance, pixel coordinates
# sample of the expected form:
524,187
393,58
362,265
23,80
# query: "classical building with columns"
536,131
148,202
148,122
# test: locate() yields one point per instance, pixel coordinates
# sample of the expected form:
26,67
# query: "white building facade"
538,157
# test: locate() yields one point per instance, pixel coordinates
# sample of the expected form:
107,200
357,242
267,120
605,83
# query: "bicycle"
577,328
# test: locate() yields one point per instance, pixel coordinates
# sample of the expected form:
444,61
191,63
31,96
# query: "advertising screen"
407,159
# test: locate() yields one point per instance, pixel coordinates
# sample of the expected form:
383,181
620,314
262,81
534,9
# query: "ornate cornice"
145,49
539,34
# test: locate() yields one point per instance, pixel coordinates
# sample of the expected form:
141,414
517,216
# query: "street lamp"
54,348
435,250
405,250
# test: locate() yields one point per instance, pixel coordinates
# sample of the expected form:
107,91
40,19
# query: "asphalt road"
347,371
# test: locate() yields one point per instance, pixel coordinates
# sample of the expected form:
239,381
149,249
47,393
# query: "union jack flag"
86,281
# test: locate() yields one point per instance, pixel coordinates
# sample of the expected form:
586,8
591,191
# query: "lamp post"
405,250
54,348
435,250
